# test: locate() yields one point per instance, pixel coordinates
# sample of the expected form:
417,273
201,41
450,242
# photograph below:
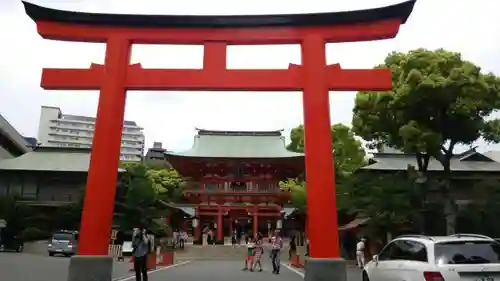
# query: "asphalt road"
228,271
35,267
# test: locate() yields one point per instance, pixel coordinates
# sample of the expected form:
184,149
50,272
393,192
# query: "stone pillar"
197,225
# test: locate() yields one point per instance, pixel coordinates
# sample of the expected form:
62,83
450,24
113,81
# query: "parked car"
63,242
459,257
9,241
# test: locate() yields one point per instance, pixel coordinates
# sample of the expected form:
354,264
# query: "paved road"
228,271
32,267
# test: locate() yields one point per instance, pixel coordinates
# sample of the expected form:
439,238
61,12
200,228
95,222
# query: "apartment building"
64,130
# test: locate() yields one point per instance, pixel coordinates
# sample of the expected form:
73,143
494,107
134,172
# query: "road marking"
126,278
300,273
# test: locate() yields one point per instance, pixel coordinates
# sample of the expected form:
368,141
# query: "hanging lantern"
195,222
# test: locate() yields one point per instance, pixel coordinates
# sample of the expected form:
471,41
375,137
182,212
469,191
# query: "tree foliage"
145,188
17,215
438,101
383,198
349,154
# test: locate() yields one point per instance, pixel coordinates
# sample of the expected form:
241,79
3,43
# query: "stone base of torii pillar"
325,270
95,268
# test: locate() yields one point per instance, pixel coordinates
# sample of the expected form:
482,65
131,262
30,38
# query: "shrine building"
234,180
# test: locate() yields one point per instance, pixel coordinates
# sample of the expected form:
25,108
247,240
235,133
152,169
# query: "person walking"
276,246
293,248
258,251
141,247
234,237
360,253
249,257
182,239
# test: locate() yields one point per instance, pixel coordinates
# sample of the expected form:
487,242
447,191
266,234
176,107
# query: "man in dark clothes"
141,247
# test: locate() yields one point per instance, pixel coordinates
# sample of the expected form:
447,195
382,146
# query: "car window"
62,237
467,252
385,254
410,250
404,250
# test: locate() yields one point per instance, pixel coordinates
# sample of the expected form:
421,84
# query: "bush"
33,234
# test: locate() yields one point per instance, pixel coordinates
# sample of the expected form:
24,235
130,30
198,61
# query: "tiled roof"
50,159
13,135
399,162
233,144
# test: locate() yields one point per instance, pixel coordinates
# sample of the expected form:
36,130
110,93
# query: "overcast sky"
469,27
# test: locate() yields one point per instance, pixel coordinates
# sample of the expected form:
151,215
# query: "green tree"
481,216
349,154
438,101
139,205
68,217
383,198
298,189
168,183
16,214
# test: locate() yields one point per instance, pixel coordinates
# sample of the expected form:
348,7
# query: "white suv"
459,257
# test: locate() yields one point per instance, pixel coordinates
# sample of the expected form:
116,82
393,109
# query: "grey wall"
51,187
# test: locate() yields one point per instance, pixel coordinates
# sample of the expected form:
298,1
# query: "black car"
9,241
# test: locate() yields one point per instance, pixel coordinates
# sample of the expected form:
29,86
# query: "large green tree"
384,198
439,100
138,206
349,154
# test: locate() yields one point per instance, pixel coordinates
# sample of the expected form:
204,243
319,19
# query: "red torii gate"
215,33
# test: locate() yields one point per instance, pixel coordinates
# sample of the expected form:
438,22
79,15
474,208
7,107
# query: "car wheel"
51,254
365,276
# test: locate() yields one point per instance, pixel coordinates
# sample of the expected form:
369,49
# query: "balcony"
225,189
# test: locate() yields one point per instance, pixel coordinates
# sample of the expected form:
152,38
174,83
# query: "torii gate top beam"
237,30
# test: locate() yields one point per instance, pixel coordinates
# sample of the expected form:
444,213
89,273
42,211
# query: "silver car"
63,243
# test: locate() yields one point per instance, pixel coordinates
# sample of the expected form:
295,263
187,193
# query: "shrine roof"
238,144
50,159
399,11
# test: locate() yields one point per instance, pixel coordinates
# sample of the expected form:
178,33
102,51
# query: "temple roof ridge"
269,133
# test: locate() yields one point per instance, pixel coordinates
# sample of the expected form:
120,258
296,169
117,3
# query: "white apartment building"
63,130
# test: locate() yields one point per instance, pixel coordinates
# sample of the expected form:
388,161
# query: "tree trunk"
449,204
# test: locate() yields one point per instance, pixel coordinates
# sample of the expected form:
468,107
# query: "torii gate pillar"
313,77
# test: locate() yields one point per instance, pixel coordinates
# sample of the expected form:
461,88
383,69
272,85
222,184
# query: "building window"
211,186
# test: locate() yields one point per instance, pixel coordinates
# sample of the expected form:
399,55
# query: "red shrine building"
234,180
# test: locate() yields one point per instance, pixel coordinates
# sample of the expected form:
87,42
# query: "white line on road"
126,278
300,273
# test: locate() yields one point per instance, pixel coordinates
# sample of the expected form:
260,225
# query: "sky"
469,27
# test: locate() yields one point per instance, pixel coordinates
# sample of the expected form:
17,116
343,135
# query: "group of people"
180,237
256,250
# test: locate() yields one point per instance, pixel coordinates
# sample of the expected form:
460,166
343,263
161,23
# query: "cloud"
470,28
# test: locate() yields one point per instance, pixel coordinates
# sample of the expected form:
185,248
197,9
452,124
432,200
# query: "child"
257,254
249,257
